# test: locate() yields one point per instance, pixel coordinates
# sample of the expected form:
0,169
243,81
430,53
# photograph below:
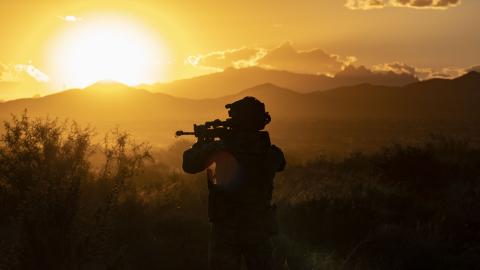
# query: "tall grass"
69,203
403,207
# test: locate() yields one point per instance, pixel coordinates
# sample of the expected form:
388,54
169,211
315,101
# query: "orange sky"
188,38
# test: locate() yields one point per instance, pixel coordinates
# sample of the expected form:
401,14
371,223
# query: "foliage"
48,221
403,207
68,203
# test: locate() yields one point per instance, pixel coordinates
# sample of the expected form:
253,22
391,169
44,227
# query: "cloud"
21,72
317,61
361,74
32,72
474,68
6,74
21,81
443,73
242,57
395,67
421,73
418,4
426,4
70,18
365,4
283,57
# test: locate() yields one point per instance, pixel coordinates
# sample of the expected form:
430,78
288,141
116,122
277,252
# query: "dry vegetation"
69,203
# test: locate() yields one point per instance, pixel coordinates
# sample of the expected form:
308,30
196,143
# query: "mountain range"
109,101
232,81
155,116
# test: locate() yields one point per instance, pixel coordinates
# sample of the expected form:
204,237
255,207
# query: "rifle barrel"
181,133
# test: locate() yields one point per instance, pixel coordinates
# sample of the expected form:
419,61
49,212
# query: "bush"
404,207
45,179
69,203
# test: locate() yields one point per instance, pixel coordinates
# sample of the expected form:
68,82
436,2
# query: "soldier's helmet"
248,114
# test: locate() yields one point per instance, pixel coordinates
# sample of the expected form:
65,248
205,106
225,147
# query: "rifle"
210,131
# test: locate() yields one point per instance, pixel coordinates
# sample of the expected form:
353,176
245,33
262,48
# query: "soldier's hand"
208,147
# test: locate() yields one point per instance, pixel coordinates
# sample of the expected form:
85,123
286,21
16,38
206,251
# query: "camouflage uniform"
240,210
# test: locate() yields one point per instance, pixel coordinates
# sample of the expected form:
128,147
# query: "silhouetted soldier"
240,170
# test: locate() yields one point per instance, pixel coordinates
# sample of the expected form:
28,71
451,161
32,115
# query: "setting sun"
108,48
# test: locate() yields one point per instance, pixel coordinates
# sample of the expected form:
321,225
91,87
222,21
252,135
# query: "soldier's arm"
278,158
197,158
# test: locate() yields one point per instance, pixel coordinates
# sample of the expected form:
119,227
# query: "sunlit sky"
75,43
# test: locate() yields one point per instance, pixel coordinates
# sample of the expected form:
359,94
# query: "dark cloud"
474,68
421,73
419,4
433,4
398,73
361,74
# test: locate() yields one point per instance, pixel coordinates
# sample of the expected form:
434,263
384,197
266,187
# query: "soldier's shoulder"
275,149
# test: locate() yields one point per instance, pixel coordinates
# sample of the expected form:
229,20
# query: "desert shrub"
403,207
48,221
67,202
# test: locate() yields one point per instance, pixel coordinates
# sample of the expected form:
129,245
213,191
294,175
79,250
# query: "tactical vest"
244,203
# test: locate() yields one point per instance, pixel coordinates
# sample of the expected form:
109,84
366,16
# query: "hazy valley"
359,117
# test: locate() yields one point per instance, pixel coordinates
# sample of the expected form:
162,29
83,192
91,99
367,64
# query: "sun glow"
108,48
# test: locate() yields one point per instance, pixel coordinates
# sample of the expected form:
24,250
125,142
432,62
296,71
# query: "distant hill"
437,99
106,100
157,115
233,80
113,102
10,90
